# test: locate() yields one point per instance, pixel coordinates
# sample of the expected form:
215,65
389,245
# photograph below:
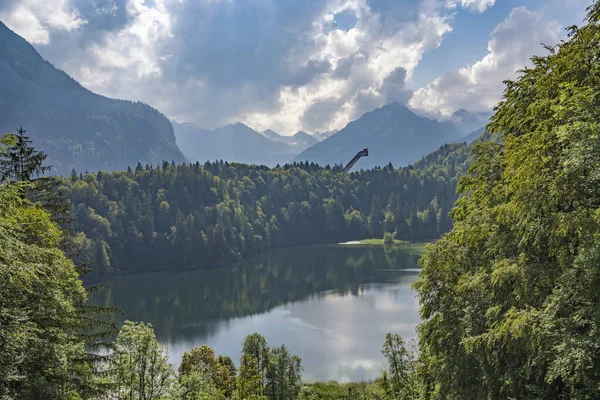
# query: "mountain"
303,139
471,137
297,142
75,127
233,143
271,135
392,133
320,136
467,121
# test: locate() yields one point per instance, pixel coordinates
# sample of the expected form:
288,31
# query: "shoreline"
416,246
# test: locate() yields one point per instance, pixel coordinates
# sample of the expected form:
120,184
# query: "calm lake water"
331,305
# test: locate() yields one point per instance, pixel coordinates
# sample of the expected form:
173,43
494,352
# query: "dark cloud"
320,113
394,87
244,41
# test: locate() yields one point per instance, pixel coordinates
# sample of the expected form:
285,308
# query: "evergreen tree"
375,226
21,162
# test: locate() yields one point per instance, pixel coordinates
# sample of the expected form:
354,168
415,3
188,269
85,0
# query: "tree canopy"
509,298
187,216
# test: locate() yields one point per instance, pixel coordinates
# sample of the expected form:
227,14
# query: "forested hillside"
75,127
178,217
509,298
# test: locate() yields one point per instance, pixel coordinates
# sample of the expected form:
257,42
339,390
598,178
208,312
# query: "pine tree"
21,162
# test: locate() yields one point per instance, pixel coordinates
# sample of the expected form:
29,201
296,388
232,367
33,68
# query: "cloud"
393,87
473,5
479,87
33,19
282,64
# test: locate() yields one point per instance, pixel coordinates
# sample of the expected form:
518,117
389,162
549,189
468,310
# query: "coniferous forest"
189,216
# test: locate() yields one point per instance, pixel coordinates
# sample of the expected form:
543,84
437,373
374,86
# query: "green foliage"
181,217
388,239
284,375
39,288
250,382
346,391
400,382
20,161
509,297
201,372
139,368
22,165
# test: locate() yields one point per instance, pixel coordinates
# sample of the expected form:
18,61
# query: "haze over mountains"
392,133
240,143
75,127
233,143
297,142
82,130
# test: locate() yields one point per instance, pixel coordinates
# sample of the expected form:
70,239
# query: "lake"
330,305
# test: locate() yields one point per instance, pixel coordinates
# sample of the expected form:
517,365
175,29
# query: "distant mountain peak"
271,135
303,135
393,133
270,132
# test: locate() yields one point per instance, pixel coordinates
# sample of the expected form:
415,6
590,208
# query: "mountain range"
297,142
233,143
240,143
86,131
392,133
75,127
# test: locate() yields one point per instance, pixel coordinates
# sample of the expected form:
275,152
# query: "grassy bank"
416,247
344,391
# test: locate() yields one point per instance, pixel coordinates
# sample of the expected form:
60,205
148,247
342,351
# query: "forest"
189,216
508,296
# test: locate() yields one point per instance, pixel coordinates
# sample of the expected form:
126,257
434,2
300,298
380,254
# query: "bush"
388,239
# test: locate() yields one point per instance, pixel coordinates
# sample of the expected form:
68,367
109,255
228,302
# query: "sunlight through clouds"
287,65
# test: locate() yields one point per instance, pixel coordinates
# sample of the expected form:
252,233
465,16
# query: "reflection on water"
331,305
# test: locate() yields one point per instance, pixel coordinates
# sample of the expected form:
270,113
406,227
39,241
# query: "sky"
290,65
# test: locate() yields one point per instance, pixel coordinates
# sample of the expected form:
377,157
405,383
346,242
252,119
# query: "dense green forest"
186,216
50,338
509,298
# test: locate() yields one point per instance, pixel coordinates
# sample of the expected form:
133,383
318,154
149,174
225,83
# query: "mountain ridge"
232,142
74,126
393,133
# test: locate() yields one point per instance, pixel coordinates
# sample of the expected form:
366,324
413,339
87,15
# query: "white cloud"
281,64
126,57
198,62
33,19
374,49
479,87
473,5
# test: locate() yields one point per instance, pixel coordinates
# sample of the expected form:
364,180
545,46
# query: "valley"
179,219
